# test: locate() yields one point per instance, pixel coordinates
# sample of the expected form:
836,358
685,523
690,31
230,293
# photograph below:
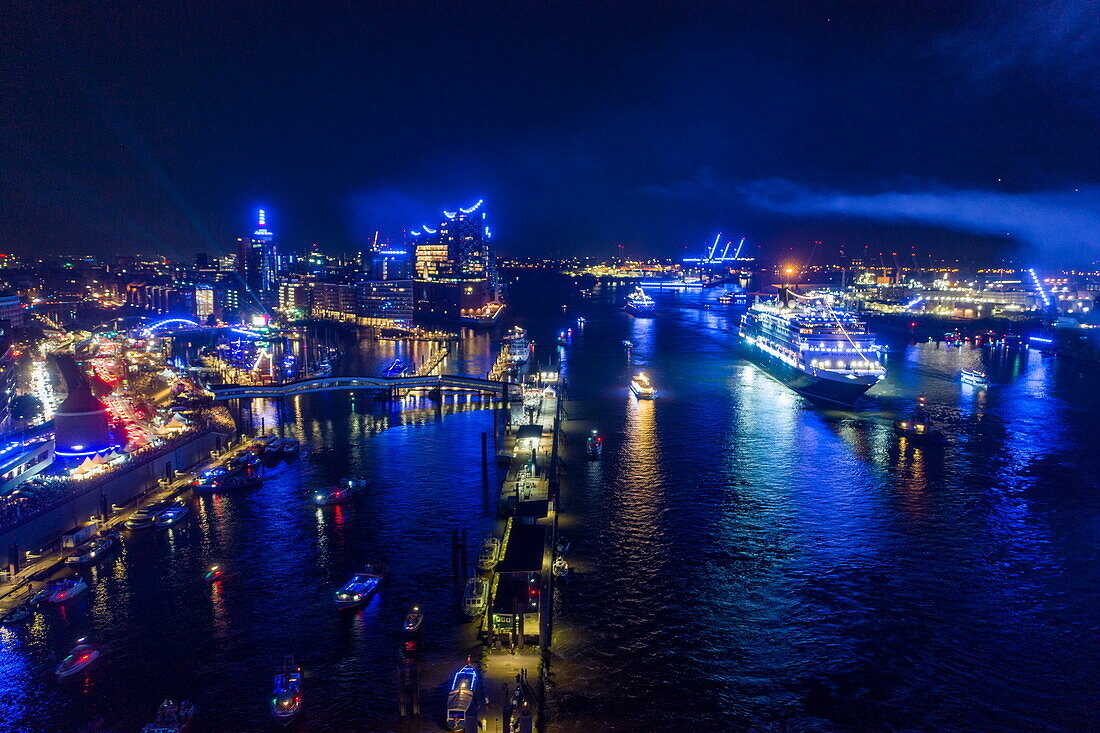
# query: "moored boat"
462,700
476,598
171,516
290,446
286,696
490,550
17,615
172,717
146,516
91,551
359,589
68,588
341,492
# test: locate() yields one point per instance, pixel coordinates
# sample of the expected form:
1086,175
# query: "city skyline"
949,128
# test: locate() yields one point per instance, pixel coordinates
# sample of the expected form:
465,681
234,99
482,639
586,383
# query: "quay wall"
44,530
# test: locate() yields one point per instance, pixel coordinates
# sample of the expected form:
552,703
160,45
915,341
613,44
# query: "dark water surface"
746,560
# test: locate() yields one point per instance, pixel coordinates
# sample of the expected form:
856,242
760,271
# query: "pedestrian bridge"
444,383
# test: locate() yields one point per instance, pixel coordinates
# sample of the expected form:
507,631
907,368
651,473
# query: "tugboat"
171,516
490,549
339,493
476,598
595,445
642,387
359,589
90,551
172,717
461,700
286,698
80,658
974,377
68,588
918,428
413,620
17,615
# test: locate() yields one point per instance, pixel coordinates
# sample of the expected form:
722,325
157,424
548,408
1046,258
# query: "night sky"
960,128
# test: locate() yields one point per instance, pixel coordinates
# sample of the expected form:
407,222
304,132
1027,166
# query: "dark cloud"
1064,224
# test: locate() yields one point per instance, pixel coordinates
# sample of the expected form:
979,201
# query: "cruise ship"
639,303
818,351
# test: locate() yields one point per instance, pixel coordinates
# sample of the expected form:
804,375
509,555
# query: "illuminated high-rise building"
257,263
458,249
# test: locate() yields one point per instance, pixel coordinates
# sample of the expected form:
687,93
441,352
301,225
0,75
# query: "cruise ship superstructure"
819,351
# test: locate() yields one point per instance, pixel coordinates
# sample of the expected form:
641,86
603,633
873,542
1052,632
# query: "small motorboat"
341,492
413,620
214,573
563,543
259,445
628,344
80,658
90,551
171,516
490,551
172,717
462,700
68,588
560,567
476,598
17,615
286,697
359,589
974,377
595,445
290,447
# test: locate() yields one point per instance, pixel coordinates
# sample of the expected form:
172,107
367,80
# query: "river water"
745,560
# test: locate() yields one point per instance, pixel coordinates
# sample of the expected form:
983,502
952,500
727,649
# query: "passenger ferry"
974,377
341,492
816,350
737,299
172,717
642,388
286,696
517,344
476,598
490,549
359,589
462,699
146,516
640,304
91,551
